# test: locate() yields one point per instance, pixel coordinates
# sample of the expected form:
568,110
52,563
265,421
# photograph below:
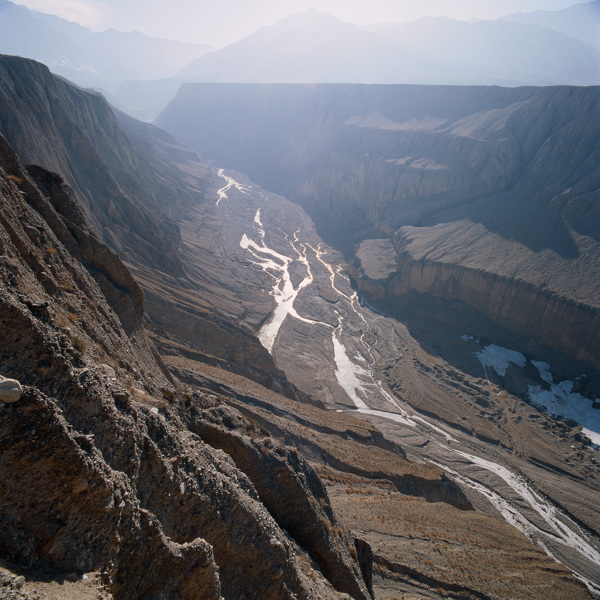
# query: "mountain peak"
311,18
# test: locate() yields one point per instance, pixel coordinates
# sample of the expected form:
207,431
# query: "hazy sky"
220,22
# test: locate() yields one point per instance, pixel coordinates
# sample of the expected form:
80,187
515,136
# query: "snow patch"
348,374
498,358
559,400
544,369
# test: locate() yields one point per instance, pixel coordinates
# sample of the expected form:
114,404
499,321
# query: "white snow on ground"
544,369
257,220
348,373
559,400
498,358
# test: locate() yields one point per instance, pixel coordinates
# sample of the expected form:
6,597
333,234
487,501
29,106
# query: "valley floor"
427,392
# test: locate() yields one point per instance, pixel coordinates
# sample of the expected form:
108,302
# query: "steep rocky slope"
489,195
106,463
128,190
135,182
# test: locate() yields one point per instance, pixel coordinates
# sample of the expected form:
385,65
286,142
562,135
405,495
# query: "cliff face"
518,306
129,190
471,184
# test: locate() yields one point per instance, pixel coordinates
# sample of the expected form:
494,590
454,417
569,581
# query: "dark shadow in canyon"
539,225
437,326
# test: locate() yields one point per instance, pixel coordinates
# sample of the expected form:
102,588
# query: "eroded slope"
107,461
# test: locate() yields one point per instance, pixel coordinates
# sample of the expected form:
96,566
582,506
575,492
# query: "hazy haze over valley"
475,43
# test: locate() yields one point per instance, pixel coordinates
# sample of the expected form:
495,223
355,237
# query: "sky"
220,22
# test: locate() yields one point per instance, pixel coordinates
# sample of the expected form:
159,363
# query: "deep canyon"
489,195
307,368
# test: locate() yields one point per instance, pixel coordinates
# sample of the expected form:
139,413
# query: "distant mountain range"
581,21
100,60
500,52
314,47
538,48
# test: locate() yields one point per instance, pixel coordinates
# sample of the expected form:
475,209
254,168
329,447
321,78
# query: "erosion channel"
510,459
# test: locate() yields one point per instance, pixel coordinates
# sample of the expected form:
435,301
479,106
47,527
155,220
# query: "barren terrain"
438,403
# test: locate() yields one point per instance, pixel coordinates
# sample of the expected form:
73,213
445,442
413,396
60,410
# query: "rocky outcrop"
488,194
52,288
293,494
88,517
551,320
10,390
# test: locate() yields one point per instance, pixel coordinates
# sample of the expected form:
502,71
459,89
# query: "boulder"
10,390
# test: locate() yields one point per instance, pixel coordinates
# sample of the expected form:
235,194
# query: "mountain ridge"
91,59
336,43
579,21
314,47
535,55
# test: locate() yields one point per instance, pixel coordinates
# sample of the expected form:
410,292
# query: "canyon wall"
518,306
489,194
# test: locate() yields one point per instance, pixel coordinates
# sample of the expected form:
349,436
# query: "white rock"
10,390
107,370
